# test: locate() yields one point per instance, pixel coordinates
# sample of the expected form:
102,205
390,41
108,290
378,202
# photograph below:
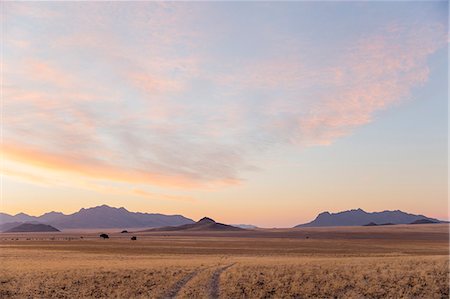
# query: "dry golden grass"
395,262
389,277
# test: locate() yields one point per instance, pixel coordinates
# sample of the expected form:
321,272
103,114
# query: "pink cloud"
44,72
33,11
374,74
148,104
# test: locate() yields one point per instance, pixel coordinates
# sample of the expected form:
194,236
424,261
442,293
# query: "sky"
261,113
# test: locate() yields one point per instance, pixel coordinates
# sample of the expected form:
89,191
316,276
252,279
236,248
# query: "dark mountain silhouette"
424,221
8,225
361,217
100,217
32,228
204,224
51,216
21,217
371,224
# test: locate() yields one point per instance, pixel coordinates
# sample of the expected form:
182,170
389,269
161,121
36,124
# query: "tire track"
214,286
176,288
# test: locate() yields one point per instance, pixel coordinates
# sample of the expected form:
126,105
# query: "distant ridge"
360,217
424,221
32,228
371,224
381,224
204,224
98,217
9,225
245,226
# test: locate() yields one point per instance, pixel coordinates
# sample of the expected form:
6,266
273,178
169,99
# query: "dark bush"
133,238
104,236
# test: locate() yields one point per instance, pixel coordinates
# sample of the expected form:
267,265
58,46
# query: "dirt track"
215,281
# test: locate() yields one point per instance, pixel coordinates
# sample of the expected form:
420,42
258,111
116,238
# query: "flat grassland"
402,261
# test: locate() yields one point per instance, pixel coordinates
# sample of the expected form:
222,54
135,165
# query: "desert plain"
399,261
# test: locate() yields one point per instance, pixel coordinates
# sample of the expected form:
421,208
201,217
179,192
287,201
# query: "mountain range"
110,217
360,217
97,217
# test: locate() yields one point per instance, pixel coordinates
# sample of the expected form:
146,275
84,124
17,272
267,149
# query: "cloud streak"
95,169
148,103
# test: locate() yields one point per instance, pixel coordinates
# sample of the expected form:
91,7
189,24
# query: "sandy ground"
404,261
